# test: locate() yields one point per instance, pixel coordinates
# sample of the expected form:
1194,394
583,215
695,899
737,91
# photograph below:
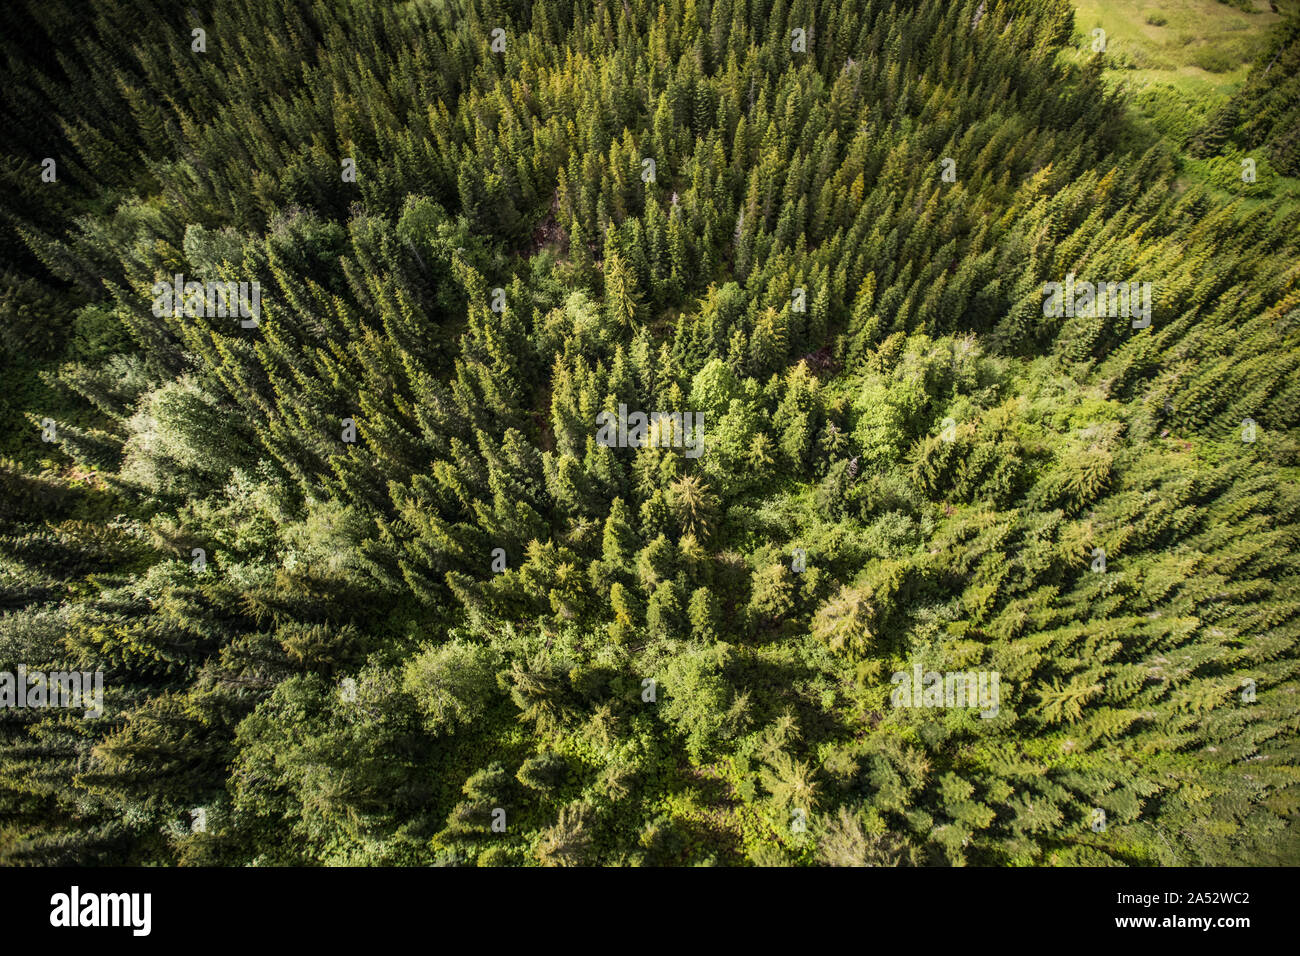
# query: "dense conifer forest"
483,432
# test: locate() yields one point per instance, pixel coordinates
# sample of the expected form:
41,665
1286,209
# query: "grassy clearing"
1198,46
1180,60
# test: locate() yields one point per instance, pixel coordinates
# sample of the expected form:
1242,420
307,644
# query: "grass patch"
1198,46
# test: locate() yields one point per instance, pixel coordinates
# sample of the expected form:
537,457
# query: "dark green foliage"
365,587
